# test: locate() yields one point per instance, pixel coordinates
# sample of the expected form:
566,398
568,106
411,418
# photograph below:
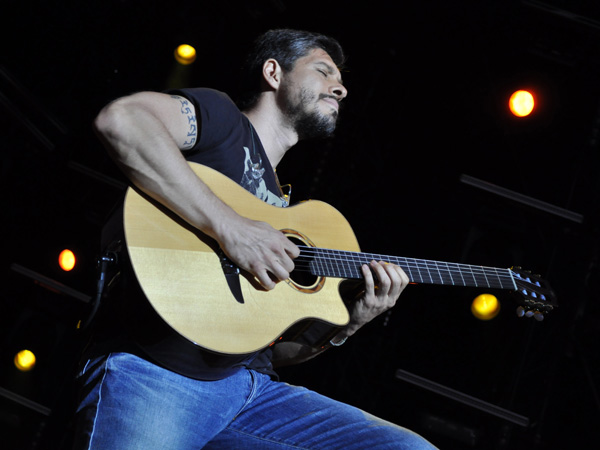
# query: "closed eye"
327,70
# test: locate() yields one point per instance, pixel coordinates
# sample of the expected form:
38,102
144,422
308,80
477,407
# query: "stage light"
485,307
25,360
66,260
521,103
185,54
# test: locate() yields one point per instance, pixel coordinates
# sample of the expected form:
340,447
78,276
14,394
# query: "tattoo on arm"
192,133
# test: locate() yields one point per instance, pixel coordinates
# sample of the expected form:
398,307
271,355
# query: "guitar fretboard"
344,264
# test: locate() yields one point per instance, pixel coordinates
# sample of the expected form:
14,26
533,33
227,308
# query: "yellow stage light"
24,360
521,103
185,54
485,307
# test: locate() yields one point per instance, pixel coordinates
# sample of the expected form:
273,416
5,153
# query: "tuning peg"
522,312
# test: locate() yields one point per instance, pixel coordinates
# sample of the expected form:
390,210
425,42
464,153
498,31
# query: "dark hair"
286,47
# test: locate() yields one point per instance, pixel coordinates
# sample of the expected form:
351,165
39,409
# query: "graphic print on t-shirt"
253,181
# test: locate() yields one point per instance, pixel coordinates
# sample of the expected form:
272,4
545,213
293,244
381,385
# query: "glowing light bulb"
485,307
185,54
25,360
66,260
521,103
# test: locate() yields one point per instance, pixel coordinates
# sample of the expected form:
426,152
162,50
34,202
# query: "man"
158,394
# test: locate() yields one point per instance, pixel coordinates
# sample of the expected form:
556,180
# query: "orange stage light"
66,260
521,103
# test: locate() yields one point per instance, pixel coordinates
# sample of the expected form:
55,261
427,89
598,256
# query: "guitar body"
183,277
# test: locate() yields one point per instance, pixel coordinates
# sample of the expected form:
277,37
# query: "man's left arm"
383,284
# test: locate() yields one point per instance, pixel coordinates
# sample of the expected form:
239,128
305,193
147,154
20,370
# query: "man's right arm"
144,133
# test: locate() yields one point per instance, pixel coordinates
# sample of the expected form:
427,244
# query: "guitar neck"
345,264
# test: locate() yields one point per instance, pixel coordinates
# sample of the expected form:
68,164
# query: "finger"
265,280
284,263
385,276
396,274
396,277
368,278
281,270
403,276
291,249
270,273
399,280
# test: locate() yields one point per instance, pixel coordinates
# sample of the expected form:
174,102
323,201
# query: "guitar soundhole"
301,277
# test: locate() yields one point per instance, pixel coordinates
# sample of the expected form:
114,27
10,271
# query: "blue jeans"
129,403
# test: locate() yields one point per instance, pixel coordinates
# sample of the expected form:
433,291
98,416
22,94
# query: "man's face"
311,93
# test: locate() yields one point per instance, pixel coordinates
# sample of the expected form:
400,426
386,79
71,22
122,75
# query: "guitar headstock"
536,296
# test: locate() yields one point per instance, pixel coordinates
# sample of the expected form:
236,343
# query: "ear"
272,73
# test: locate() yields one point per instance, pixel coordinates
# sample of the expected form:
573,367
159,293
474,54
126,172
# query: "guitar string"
476,281
344,256
304,266
428,272
330,258
432,271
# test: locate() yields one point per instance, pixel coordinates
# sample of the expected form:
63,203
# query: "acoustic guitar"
205,298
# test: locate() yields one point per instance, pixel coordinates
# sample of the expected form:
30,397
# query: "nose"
338,91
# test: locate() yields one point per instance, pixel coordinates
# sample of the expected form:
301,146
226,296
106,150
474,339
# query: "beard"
306,119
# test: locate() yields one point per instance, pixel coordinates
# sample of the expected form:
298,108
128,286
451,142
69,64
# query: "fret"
329,264
423,263
505,281
321,263
433,276
487,278
315,264
408,269
421,279
346,264
333,264
447,273
470,279
464,283
502,281
443,279
411,274
341,264
481,279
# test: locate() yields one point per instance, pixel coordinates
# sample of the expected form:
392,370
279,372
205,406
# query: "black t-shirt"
226,142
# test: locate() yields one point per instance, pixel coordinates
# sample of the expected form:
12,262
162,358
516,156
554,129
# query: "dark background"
428,83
